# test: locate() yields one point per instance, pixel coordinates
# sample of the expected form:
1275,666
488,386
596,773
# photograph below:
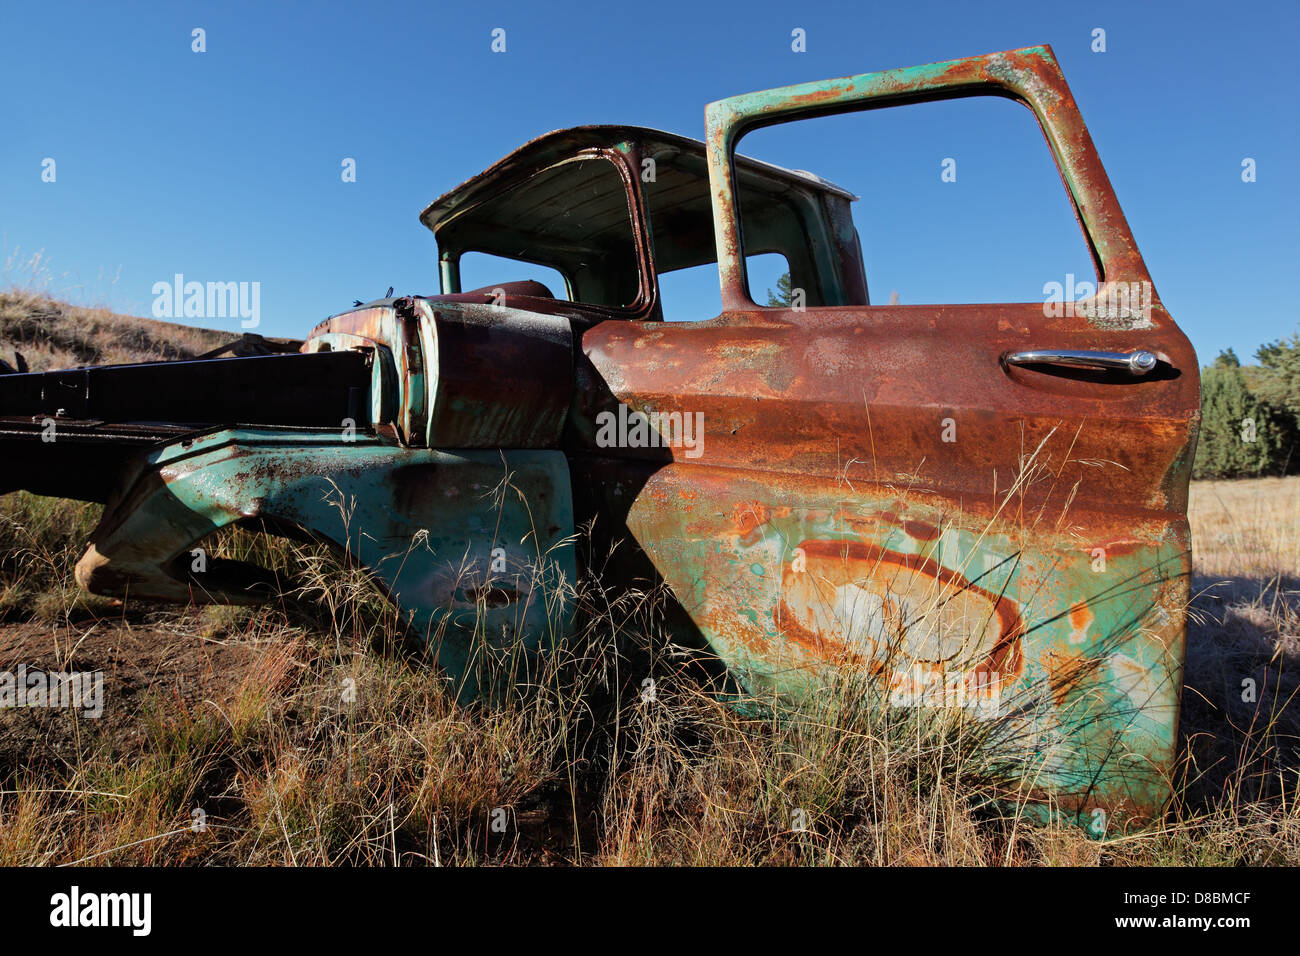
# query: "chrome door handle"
1135,363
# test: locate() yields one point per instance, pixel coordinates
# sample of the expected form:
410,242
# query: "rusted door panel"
948,606
1054,522
863,392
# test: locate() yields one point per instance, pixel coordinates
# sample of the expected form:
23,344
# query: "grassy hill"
52,334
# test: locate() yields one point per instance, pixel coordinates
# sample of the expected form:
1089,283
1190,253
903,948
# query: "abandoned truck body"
783,471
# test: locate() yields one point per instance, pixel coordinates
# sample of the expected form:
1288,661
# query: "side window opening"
952,201
769,277
680,211
568,227
482,270
693,294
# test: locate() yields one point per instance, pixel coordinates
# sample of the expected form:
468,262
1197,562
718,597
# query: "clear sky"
225,165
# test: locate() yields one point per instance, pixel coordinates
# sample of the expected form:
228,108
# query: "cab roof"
561,144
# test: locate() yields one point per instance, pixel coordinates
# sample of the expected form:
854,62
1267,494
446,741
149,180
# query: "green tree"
1276,382
1240,435
784,294
1227,359
1278,379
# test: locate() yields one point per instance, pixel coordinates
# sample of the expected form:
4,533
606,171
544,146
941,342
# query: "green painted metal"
474,547
1075,661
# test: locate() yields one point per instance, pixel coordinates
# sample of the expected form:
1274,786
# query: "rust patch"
889,611
749,516
1065,672
1081,618
920,530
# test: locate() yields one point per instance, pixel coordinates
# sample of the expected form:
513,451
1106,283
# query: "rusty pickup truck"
785,472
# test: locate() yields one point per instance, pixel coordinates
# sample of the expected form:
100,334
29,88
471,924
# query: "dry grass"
1246,529
1241,713
52,334
289,769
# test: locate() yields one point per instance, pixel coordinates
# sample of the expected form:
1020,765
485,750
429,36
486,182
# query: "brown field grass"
301,733
1246,529
52,335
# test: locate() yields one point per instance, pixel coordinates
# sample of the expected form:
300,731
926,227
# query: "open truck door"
981,506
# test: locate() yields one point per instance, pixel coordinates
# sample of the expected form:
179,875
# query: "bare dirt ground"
145,666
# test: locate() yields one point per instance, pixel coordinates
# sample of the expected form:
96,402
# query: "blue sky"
225,165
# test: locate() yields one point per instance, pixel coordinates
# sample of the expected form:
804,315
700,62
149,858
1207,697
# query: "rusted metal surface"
948,604
842,487
474,547
495,376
